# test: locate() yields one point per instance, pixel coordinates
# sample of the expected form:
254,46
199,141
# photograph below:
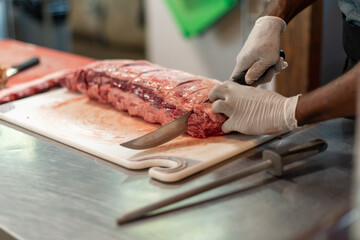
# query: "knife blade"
273,162
161,135
174,128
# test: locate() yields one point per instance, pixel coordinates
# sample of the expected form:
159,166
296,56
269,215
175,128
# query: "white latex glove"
261,52
252,110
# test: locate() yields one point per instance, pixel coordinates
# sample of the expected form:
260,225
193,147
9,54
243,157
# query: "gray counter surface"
52,191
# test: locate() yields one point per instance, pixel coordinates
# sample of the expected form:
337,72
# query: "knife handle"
27,64
240,79
292,155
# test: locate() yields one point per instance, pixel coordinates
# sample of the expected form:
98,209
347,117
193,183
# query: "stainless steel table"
52,191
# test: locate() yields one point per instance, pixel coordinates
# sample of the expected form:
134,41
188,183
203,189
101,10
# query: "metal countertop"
52,191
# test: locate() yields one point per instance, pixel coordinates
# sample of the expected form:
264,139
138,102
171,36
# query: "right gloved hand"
261,52
252,110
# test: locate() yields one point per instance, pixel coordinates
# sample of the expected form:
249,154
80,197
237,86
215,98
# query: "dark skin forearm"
336,99
286,9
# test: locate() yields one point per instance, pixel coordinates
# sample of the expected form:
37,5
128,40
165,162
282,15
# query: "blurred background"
197,36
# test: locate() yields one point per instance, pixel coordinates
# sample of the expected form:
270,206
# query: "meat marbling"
155,93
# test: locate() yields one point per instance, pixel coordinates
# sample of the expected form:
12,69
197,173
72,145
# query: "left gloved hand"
260,53
253,111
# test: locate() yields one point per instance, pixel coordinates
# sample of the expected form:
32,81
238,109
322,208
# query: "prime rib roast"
155,93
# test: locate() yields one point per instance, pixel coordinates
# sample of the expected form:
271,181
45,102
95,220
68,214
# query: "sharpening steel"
272,162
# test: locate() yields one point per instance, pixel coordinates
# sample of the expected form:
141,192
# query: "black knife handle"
282,54
27,64
240,78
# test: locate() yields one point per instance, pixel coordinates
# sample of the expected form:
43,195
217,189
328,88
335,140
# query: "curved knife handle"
27,64
292,155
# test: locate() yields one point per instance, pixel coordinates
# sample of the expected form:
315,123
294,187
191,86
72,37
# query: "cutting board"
98,129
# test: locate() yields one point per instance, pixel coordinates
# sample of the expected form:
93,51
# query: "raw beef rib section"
155,93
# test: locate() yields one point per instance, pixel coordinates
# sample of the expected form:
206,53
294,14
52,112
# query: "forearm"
336,99
286,9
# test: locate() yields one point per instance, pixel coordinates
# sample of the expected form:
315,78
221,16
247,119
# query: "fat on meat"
155,93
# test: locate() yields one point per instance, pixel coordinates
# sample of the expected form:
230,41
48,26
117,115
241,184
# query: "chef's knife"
18,68
175,128
161,135
272,161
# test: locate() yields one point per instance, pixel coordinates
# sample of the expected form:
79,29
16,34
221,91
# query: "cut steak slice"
157,94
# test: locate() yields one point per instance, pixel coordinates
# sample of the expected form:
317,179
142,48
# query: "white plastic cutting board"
98,129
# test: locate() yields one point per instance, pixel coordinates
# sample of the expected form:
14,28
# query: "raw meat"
157,94
30,88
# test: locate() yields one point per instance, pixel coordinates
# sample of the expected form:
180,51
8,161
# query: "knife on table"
272,161
176,127
16,69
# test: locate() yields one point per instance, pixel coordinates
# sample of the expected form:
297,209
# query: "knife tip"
131,146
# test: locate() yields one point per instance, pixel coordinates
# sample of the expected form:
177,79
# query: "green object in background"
195,16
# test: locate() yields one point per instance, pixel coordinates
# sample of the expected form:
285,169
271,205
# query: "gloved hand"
252,110
261,51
